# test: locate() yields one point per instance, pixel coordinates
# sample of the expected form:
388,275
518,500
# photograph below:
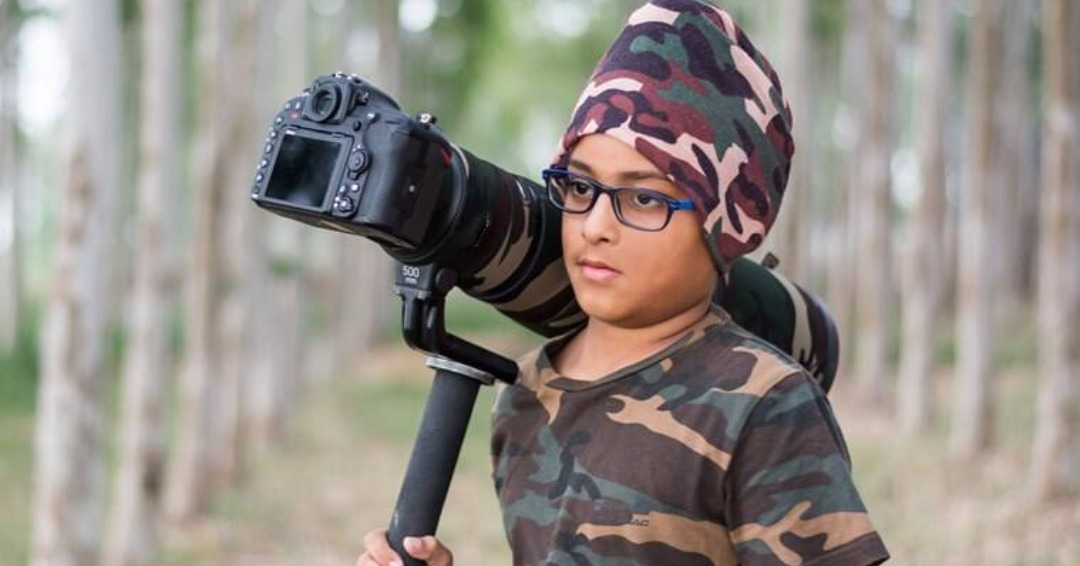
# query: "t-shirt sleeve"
789,495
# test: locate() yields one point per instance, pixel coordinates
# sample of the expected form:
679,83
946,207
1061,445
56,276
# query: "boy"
662,432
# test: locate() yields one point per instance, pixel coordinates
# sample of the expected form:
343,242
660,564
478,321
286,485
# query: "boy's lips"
596,270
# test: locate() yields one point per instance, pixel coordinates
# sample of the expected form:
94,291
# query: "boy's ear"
721,266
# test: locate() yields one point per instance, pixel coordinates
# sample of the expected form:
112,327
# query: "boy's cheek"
625,298
603,302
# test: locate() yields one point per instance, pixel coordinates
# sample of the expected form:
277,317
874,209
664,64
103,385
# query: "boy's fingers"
429,550
379,549
366,560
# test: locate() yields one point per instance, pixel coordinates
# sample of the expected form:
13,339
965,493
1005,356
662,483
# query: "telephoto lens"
343,156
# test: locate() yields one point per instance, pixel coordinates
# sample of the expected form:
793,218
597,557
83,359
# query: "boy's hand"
378,551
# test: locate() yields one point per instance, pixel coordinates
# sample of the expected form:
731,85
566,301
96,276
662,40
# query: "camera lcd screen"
303,170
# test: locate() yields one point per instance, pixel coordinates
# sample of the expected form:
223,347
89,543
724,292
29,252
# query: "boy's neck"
602,347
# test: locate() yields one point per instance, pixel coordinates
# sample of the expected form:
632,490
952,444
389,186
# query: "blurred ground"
934,511
336,473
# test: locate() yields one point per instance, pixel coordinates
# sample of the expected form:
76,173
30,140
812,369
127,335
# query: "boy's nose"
600,222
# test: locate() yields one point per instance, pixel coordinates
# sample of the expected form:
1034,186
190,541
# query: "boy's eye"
579,188
645,200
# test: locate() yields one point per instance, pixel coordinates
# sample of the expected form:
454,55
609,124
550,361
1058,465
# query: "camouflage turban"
683,85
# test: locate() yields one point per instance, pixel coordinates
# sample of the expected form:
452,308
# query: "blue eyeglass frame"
673,204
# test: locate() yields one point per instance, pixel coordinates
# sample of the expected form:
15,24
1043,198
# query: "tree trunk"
240,248
69,449
842,229
107,162
277,361
872,290
976,295
133,534
257,375
278,339
922,277
1017,155
10,261
189,478
1056,453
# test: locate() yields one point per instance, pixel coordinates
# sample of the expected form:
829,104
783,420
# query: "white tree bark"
69,450
241,250
872,288
1017,157
389,72
278,362
972,424
257,374
843,217
1056,452
69,489
134,521
279,352
10,262
922,277
189,478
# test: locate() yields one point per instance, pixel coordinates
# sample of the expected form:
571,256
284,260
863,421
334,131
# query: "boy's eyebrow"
627,175
580,165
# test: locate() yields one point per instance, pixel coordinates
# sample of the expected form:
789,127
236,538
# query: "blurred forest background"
185,379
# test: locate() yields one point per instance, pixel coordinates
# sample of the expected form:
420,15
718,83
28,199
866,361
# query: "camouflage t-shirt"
718,450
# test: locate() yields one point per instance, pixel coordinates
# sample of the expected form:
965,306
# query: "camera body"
343,156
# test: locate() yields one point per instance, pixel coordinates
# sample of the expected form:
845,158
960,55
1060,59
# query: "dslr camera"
343,156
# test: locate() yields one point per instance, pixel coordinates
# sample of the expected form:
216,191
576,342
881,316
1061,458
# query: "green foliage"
30,9
827,20
945,349
19,368
466,315
494,70
117,340
18,399
130,12
1018,346
466,39
389,410
281,266
16,471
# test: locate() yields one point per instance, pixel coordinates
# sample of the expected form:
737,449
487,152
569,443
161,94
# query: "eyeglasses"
642,209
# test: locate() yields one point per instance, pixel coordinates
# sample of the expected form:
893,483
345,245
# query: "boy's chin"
615,312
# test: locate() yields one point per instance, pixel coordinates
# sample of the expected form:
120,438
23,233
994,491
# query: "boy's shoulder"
715,353
736,360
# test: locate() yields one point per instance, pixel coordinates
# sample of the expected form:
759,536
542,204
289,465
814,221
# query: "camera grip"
434,457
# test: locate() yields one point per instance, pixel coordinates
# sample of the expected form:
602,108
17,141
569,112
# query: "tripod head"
423,292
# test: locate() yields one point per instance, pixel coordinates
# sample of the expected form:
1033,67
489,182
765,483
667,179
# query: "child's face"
654,275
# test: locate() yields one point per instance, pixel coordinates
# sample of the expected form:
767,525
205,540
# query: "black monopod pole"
435,453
